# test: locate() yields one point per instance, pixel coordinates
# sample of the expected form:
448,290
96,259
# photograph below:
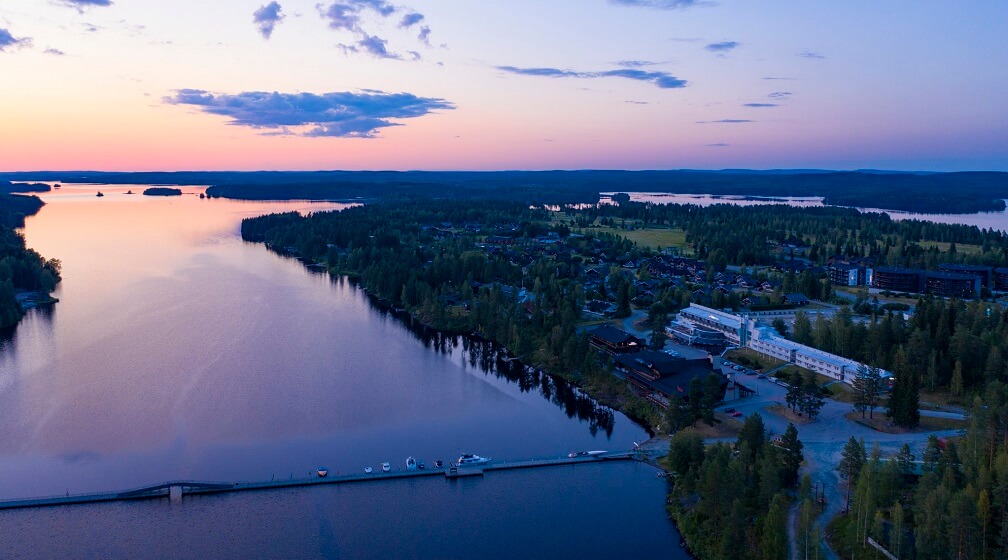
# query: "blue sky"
636,84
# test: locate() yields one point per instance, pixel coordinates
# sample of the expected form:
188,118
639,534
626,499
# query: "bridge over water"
174,490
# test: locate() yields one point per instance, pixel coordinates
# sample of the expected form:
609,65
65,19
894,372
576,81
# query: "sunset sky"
545,84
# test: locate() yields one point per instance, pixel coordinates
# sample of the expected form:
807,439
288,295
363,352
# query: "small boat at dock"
467,459
386,467
411,464
322,472
367,470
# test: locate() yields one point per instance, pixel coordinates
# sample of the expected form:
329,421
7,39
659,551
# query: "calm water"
179,351
983,220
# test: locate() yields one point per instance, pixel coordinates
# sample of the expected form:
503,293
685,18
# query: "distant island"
162,191
10,188
923,192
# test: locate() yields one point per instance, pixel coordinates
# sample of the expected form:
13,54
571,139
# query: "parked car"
761,376
736,414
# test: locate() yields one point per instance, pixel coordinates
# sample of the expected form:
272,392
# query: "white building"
743,330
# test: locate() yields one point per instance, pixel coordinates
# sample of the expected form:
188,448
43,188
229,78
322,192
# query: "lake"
178,351
983,220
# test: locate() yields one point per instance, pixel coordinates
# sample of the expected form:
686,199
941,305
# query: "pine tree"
792,454
852,459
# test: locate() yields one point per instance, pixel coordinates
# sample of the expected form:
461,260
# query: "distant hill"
960,192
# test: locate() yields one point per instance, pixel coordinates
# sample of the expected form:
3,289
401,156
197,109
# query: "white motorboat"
411,464
385,467
367,470
322,472
467,459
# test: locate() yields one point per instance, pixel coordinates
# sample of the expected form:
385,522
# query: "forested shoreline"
21,269
938,193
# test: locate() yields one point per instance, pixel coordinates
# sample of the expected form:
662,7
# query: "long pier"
174,490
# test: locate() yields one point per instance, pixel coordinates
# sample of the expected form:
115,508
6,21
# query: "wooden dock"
175,490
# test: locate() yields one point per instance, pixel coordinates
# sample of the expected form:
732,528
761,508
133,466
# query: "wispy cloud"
636,63
424,36
8,41
53,51
810,54
726,121
722,47
267,17
718,145
336,114
759,105
81,5
663,80
376,47
779,95
348,15
660,4
776,78
636,102
410,19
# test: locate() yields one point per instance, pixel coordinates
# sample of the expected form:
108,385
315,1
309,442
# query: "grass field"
942,246
651,237
927,423
751,358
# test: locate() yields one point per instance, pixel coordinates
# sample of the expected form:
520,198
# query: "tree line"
21,268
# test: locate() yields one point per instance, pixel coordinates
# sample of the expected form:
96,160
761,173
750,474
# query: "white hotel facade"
747,331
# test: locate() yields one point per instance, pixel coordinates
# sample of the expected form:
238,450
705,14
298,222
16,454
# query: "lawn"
751,358
724,427
788,414
943,246
882,424
650,237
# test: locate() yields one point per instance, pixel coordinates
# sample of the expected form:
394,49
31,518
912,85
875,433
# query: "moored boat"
322,472
411,464
469,459
386,467
367,470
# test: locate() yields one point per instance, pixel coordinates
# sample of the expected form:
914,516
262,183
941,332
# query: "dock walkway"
176,489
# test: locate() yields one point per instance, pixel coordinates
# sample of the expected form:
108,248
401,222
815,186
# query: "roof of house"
796,298
612,335
679,384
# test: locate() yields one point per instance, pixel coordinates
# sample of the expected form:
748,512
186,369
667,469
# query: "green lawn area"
650,237
927,423
943,246
750,358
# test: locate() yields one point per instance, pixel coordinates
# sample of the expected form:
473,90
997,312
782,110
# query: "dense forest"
21,269
951,502
932,192
961,346
732,502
